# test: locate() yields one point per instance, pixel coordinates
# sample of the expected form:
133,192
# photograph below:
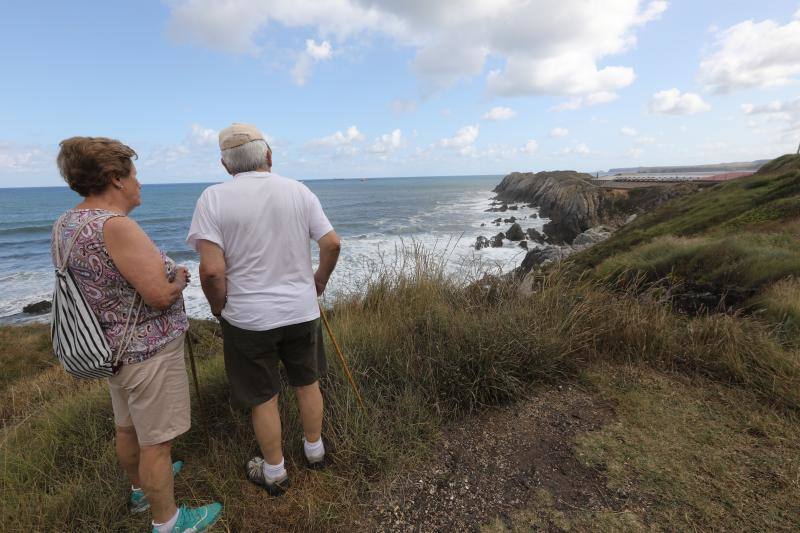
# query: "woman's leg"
155,472
127,446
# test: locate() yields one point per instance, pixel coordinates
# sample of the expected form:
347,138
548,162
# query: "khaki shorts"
153,396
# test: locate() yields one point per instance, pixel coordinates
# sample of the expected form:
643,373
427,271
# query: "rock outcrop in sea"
574,204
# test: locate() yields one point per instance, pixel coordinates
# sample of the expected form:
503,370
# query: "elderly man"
252,233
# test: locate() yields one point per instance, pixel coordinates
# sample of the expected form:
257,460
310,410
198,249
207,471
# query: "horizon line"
65,186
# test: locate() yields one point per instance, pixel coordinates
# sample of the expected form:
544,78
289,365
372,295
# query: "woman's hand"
183,277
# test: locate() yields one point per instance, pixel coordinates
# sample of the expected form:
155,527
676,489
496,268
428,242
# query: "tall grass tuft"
425,346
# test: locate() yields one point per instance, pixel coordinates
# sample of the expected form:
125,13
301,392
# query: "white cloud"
753,54
387,143
198,140
530,147
635,153
777,117
499,151
628,131
544,46
16,158
643,139
341,142
578,149
499,113
673,102
463,138
319,51
401,106
203,136
559,132
592,99
313,53
776,108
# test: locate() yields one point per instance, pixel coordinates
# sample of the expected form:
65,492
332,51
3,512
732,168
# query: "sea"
380,220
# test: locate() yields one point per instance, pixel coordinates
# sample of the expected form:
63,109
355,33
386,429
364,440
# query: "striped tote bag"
78,340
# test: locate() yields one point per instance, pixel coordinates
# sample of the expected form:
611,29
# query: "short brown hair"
88,164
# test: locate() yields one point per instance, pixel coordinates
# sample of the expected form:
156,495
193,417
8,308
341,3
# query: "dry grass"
424,349
685,453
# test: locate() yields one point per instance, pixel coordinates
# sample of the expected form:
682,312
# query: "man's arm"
329,247
212,275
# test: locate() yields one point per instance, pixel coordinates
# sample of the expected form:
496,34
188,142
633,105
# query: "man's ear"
225,166
269,158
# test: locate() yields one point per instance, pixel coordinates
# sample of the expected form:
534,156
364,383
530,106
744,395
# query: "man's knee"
270,404
310,389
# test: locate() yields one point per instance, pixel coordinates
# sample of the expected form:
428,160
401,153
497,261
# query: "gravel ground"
492,464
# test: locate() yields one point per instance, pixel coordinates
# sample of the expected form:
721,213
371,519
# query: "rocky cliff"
573,204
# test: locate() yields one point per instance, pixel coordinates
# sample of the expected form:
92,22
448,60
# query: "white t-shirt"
263,223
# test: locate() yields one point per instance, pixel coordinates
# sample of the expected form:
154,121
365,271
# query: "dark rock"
535,236
514,208
510,220
498,219
592,236
537,257
481,242
523,245
574,204
497,241
515,233
38,308
483,225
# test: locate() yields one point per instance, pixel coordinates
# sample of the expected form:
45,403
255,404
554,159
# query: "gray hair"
247,157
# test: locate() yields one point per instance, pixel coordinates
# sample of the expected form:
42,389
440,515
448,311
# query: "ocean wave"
27,229
161,220
182,255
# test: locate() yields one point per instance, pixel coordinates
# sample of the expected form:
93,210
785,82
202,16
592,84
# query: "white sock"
274,472
167,526
135,489
314,450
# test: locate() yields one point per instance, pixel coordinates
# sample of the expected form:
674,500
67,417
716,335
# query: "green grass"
738,265
423,349
25,352
761,197
688,453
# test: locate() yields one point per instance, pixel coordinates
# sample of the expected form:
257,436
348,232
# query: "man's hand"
329,247
212,275
321,282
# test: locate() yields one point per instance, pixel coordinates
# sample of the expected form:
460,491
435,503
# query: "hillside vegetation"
733,246
705,406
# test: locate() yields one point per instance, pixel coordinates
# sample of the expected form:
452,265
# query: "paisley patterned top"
110,295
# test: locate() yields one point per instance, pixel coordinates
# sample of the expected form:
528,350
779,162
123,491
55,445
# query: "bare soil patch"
497,462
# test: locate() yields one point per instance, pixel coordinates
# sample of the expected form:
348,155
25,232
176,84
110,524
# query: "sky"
376,88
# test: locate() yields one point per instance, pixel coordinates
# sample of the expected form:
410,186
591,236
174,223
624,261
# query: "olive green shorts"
251,359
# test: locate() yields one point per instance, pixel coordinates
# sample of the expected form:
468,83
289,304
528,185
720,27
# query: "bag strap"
63,259
62,264
130,328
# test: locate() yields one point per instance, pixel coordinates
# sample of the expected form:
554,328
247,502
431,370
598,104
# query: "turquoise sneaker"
138,502
196,519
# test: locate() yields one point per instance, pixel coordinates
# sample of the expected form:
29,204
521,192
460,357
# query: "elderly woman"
114,263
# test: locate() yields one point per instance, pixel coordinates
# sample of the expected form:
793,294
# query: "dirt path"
497,462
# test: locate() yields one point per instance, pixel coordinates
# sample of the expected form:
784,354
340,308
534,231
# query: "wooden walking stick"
341,355
190,344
